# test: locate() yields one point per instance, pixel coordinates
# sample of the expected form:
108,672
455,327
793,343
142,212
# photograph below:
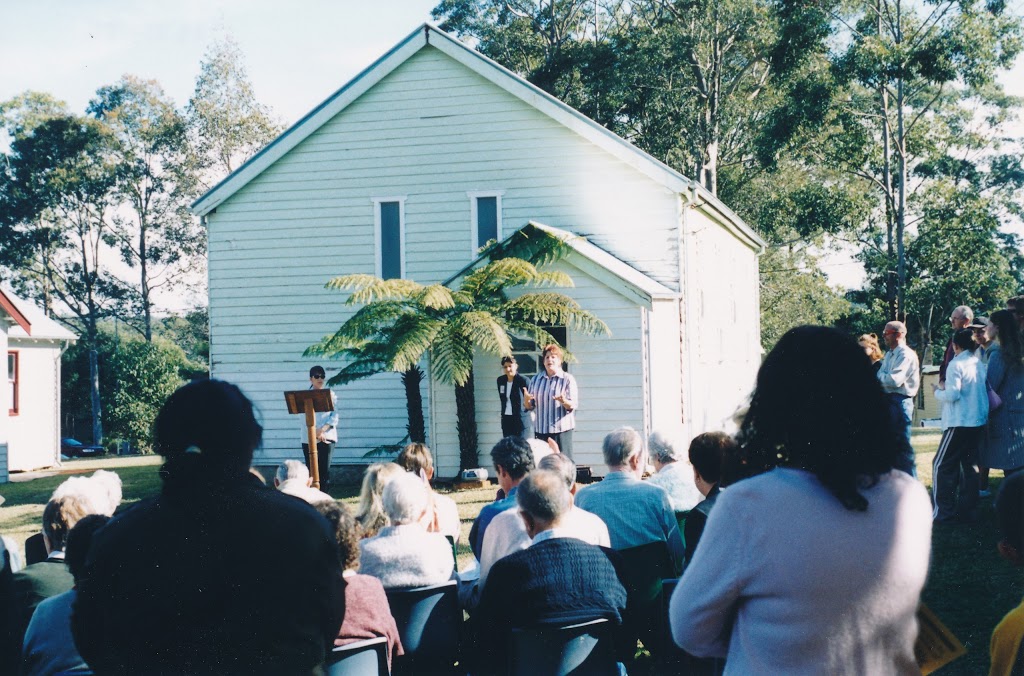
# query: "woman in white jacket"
964,413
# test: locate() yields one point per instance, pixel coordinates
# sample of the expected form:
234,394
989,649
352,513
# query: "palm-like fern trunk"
411,379
465,409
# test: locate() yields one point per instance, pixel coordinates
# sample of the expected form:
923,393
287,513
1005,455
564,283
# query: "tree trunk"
890,280
901,203
411,380
465,409
94,389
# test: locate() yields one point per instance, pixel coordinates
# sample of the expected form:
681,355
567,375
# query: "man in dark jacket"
558,580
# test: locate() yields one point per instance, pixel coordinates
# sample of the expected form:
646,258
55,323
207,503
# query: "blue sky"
297,53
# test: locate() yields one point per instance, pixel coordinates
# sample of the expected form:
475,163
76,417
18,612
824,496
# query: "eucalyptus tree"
56,195
228,125
401,322
157,179
913,71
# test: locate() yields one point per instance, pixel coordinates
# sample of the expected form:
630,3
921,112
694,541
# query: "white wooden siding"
433,131
726,337
34,434
665,389
609,375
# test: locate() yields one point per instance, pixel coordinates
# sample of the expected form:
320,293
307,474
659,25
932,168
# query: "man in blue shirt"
512,460
636,512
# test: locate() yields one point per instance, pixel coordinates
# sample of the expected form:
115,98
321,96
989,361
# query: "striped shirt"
551,416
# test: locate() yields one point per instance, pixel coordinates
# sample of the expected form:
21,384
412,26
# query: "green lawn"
970,588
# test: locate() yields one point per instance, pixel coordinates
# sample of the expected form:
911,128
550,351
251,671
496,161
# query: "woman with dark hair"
964,414
1004,444
814,564
179,583
367,611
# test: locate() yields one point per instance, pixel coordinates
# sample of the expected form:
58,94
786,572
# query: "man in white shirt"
507,532
900,377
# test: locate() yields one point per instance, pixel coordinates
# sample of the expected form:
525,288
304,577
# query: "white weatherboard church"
405,171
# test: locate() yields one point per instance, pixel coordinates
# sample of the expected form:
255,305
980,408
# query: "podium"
310,402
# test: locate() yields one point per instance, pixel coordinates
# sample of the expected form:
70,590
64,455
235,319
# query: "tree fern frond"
367,288
411,338
451,356
435,297
485,331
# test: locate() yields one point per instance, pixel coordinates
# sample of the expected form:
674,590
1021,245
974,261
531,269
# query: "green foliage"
146,374
795,292
227,123
136,377
157,180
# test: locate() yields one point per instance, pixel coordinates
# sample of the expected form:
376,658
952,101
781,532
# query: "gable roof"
429,35
39,326
596,262
8,305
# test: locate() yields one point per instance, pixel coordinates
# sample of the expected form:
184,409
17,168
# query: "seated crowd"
814,543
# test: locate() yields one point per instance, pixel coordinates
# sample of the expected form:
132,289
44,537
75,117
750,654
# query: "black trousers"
511,425
323,462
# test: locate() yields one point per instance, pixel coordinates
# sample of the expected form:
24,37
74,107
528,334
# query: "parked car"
72,448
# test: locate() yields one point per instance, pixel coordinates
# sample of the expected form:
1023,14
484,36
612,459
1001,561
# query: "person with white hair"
293,479
672,472
404,554
99,494
636,512
507,532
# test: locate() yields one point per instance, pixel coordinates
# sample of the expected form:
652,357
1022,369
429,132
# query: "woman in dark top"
515,420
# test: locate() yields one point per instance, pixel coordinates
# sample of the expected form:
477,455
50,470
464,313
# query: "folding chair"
362,658
584,649
429,622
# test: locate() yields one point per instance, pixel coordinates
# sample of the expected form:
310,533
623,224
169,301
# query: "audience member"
1004,444
1004,650
869,341
178,583
292,478
43,580
636,512
512,458
816,564
558,580
49,647
367,611
979,327
961,318
900,376
706,454
444,513
672,474
1016,306
964,414
371,515
404,554
507,531
101,493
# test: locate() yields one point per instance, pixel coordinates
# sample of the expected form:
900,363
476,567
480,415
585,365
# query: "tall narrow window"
390,236
485,220
12,379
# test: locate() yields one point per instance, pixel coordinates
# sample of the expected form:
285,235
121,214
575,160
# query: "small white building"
30,423
406,171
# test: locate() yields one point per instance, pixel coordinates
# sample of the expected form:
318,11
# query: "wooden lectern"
310,402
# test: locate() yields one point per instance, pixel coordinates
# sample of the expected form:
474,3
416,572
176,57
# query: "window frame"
15,384
378,260
474,230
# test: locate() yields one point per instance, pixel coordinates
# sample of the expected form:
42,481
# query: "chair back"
429,622
361,658
644,568
584,649
673,658
455,551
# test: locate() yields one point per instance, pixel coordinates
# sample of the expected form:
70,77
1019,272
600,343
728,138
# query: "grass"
969,587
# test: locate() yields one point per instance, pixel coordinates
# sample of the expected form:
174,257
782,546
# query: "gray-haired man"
900,376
